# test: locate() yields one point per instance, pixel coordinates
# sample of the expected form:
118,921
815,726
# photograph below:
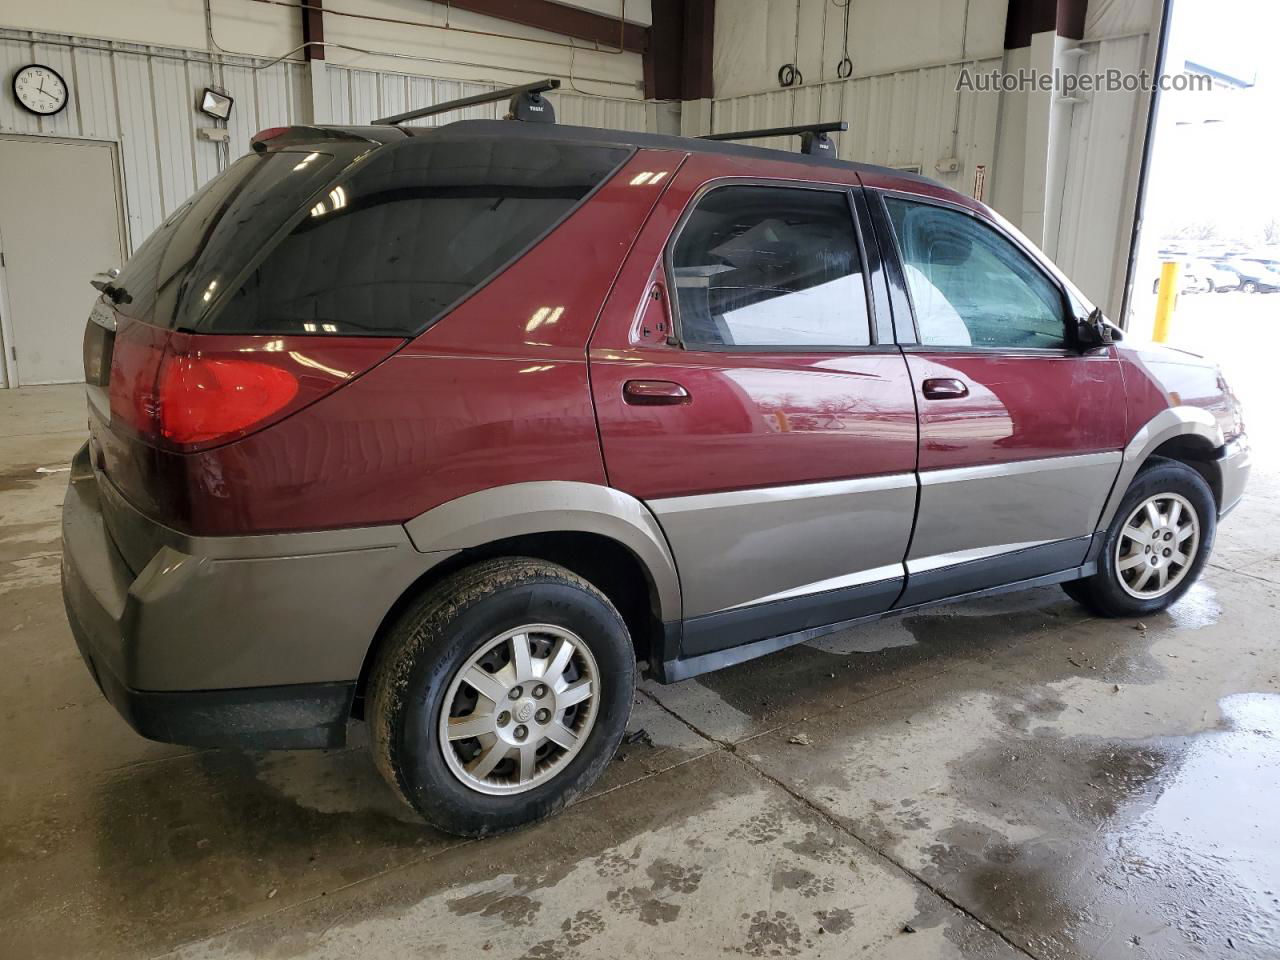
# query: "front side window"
970,286
770,266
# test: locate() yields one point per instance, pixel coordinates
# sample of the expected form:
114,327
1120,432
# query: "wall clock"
40,89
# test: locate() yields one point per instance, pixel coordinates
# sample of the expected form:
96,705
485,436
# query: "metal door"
59,225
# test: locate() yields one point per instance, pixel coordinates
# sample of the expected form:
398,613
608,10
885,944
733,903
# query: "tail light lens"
188,392
203,399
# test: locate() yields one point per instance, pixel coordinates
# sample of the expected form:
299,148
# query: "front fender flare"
1172,422
554,506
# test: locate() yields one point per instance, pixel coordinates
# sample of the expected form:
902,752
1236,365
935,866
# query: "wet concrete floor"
1004,778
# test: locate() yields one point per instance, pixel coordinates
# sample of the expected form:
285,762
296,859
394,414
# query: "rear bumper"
1234,466
226,641
253,718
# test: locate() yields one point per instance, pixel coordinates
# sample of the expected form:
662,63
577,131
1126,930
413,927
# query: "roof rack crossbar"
526,103
813,136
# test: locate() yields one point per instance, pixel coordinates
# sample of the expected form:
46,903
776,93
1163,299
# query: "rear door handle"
648,393
944,388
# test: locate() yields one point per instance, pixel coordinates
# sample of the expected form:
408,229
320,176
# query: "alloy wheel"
519,709
1157,545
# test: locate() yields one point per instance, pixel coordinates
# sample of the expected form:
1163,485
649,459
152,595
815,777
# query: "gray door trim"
974,512
889,571
1017,467
965,556
761,495
739,548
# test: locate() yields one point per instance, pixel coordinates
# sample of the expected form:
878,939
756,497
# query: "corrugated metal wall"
901,119
142,97
1101,174
359,96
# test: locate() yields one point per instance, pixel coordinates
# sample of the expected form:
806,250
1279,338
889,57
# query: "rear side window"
770,266
410,230
972,287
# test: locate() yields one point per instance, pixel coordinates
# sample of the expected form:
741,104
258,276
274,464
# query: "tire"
417,688
1121,589
1249,287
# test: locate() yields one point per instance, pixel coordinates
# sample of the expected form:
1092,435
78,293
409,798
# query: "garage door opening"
1211,219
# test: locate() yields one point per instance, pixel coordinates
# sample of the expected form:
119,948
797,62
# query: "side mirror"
103,280
1094,331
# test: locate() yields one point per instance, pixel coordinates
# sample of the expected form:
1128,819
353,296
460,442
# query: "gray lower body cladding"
258,641
251,641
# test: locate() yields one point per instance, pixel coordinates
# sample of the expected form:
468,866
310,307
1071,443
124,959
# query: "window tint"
411,229
970,286
770,266
219,228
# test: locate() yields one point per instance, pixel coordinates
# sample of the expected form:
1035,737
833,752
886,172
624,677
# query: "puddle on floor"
1212,832
1197,608
1166,847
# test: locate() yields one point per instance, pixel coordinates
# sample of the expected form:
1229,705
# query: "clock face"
40,89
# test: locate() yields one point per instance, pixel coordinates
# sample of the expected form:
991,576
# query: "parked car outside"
1192,278
1216,279
1253,277
459,430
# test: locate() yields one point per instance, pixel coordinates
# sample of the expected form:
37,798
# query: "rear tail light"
202,399
188,392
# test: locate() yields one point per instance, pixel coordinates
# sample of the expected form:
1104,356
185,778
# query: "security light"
215,104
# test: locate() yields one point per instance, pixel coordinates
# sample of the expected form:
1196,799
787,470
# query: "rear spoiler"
275,137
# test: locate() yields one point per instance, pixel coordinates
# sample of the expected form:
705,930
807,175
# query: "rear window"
409,231
219,229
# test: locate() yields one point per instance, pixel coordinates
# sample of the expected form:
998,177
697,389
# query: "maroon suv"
448,428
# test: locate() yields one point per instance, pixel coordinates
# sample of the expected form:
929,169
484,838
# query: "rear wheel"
1249,287
1156,545
501,695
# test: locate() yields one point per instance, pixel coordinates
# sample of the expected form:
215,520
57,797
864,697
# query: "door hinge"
13,352
1,259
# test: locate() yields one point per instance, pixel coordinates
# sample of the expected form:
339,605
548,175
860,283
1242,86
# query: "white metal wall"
359,96
142,97
1104,149
907,118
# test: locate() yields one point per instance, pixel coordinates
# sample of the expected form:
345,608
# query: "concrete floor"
1000,779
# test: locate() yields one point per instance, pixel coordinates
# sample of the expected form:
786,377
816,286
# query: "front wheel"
1156,545
1249,287
501,695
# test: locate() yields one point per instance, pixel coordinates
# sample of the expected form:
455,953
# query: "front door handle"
648,393
944,388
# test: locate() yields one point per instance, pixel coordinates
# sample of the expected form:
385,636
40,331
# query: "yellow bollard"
1166,301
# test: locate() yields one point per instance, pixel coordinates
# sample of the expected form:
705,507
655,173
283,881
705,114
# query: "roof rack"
526,103
813,136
